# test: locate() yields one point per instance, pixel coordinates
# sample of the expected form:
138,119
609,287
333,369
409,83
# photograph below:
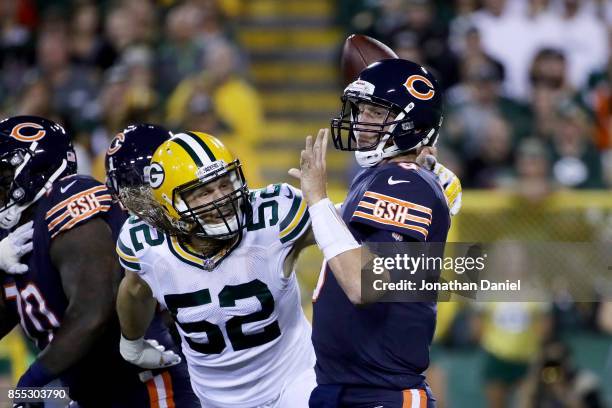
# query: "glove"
147,353
449,182
14,246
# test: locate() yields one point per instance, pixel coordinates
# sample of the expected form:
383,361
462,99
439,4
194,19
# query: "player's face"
373,115
206,194
6,178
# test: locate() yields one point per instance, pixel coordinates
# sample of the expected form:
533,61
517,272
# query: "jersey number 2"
227,298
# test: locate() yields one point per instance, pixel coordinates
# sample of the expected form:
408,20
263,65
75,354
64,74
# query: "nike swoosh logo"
393,182
65,188
290,195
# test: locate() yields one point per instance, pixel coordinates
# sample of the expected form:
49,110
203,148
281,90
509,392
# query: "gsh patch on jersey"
81,203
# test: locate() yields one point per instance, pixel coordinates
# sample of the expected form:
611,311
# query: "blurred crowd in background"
528,87
528,83
98,66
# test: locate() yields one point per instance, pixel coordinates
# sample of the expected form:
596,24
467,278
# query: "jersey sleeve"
398,201
74,201
125,250
132,246
294,219
132,250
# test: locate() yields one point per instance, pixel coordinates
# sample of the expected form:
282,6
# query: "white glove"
449,182
147,353
14,246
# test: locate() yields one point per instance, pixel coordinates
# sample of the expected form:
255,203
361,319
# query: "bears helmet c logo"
17,132
116,144
409,84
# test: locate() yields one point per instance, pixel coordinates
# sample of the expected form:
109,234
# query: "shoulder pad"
295,218
135,238
282,208
400,200
74,200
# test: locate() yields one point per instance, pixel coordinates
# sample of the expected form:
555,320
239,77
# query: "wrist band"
131,349
330,232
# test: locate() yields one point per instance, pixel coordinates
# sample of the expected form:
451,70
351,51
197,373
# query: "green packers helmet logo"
156,175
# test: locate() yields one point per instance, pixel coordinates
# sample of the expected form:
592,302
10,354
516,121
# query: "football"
358,52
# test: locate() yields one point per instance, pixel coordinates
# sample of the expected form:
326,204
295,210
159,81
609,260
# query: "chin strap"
383,150
372,157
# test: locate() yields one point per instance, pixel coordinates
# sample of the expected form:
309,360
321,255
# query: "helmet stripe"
204,146
188,148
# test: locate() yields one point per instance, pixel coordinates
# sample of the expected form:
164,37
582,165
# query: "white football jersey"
243,330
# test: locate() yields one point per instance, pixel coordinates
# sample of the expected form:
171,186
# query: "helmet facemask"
14,198
223,217
7,177
347,127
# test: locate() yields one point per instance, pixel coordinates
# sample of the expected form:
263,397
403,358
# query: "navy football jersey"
39,300
383,345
